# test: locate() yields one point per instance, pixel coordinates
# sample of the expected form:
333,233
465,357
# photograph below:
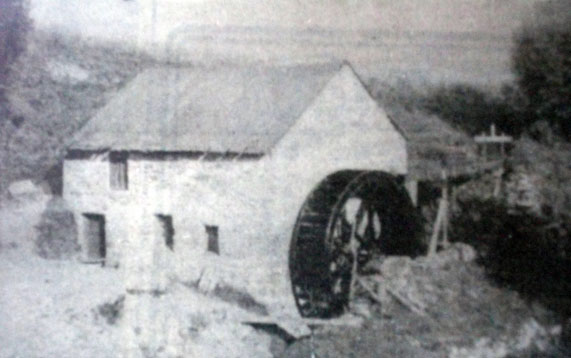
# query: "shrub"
56,232
540,62
112,311
526,252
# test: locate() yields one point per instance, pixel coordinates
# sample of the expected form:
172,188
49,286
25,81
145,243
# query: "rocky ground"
439,307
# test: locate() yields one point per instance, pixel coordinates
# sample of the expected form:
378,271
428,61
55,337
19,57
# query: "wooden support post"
436,231
411,186
453,199
485,151
445,216
355,252
498,182
495,141
441,223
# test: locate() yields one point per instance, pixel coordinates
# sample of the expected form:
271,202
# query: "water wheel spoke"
302,297
376,226
308,301
339,265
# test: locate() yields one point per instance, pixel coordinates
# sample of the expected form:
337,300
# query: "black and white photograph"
285,179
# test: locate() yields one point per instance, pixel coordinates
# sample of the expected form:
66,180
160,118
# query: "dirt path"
46,307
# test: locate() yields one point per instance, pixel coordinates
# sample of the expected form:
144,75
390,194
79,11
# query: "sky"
435,40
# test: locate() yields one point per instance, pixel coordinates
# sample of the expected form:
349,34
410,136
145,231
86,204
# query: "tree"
542,64
463,106
14,26
474,110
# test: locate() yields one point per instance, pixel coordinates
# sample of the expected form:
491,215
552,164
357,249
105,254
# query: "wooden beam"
355,253
445,215
482,139
441,222
345,320
498,175
402,300
411,186
436,229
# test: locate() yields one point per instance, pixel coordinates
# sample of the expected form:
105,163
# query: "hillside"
59,82
436,40
54,87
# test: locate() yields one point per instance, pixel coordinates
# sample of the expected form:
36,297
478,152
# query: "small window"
95,241
212,233
118,171
166,230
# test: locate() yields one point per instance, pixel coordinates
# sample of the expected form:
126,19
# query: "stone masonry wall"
254,203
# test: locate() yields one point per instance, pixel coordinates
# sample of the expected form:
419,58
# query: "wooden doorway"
212,234
94,237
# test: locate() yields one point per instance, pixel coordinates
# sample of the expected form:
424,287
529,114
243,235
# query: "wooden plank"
436,230
345,320
496,139
411,186
445,218
93,261
441,223
498,182
354,253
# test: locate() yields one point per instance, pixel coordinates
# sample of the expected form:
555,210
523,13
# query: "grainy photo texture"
312,179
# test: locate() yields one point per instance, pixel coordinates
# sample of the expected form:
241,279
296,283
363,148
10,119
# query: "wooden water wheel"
350,217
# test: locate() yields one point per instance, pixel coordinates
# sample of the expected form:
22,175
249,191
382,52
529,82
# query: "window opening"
212,233
166,230
118,170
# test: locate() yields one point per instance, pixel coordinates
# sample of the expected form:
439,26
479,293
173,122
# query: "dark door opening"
96,246
212,233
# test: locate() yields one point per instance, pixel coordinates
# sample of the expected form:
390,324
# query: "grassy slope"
56,86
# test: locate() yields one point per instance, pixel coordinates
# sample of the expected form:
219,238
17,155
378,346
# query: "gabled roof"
247,110
433,145
225,109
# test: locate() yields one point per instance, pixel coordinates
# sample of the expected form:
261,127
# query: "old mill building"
277,168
